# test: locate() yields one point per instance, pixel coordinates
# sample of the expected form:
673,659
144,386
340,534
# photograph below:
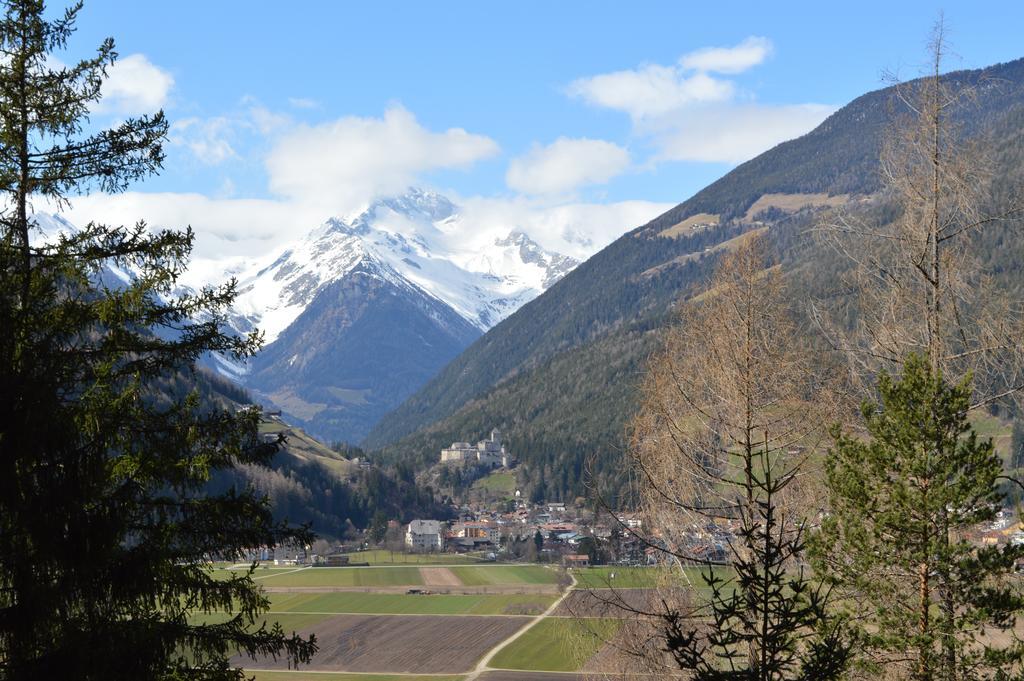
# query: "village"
514,529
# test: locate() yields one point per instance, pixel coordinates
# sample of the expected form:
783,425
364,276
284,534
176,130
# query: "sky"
574,121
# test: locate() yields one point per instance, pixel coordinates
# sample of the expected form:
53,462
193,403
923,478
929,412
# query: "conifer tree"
106,535
903,498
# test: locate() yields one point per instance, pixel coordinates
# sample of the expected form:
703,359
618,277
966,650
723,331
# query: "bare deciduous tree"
921,288
733,412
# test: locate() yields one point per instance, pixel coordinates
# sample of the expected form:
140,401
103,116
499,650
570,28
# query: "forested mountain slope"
558,376
308,482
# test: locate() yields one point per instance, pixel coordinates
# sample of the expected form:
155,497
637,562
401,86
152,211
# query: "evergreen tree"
902,499
378,528
1017,444
106,535
771,620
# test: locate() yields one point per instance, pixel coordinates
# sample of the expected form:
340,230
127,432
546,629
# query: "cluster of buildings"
489,452
564,533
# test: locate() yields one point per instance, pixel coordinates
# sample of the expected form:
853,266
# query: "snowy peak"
416,241
555,265
415,203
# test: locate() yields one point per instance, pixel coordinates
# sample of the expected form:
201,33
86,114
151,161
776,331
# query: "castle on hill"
488,452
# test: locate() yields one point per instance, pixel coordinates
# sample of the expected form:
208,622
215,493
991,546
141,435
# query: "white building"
425,535
488,452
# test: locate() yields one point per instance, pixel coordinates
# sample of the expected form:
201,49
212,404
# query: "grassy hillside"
559,376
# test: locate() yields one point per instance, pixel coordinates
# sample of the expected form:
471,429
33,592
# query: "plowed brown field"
420,644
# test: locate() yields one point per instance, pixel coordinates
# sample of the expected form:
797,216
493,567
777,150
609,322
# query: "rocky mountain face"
559,375
362,311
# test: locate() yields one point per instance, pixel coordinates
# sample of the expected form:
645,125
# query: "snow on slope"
416,239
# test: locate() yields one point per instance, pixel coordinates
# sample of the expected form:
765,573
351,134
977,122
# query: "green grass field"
411,604
618,577
382,557
488,575
259,574
499,483
354,576
557,645
289,621
635,577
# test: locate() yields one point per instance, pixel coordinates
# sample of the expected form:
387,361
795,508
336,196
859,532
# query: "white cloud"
650,90
266,121
207,138
135,86
303,103
352,159
736,59
239,227
689,115
732,134
575,229
565,165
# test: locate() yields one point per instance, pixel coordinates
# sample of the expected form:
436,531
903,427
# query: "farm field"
260,573
606,577
432,644
604,603
369,629
481,575
616,577
289,621
348,576
433,576
406,604
299,675
557,645
382,557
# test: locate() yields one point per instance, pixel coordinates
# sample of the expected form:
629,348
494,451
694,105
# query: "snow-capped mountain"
417,239
362,311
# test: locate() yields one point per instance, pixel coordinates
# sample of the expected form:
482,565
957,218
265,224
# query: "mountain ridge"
607,310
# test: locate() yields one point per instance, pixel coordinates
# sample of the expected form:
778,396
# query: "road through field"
485,661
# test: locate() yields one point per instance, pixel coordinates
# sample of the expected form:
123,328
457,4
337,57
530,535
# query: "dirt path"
485,661
439,576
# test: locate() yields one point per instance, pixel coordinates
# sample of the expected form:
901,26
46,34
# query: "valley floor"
452,622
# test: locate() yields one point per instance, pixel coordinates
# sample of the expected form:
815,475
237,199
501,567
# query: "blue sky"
603,113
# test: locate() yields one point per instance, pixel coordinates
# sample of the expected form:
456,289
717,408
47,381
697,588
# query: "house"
425,535
336,560
630,520
576,560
